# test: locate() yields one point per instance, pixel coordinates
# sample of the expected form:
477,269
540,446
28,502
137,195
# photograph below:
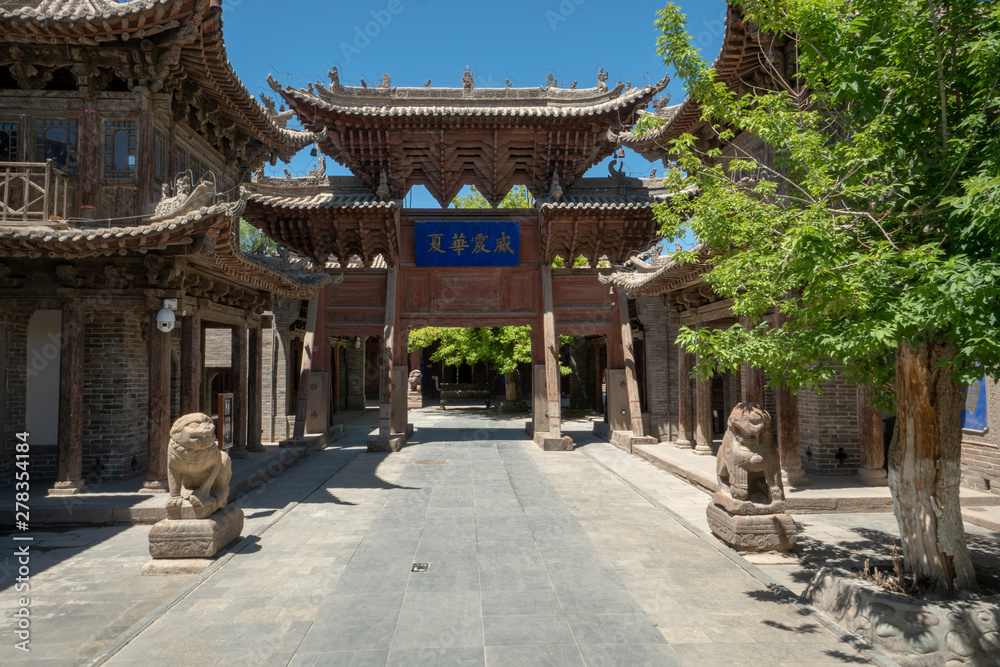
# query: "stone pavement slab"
532,558
85,583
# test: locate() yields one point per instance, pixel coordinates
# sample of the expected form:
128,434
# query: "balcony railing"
32,192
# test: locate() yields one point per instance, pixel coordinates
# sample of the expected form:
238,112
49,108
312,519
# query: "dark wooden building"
125,136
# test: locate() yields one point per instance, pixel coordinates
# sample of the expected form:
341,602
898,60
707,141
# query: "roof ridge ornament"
386,82
334,76
383,191
602,81
468,81
555,191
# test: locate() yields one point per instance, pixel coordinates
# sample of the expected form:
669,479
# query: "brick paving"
589,557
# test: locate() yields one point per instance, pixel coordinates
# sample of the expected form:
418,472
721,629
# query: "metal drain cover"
420,567
431,462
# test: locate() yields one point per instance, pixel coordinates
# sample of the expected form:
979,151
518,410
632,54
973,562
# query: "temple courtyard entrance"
477,549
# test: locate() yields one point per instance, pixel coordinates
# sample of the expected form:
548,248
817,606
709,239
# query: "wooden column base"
155,486
703,450
873,477
68,488
795,477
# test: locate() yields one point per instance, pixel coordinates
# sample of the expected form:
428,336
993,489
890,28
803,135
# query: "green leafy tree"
252,239
501,348
877,236
518,197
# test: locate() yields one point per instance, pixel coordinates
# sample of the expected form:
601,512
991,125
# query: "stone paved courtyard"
534,558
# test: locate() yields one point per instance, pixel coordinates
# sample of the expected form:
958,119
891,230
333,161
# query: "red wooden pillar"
685,417
305,366
159,407
539,395
628,354
90,160
145,167
872,471
386,358
551,343
239,373
69,467
703,422
255,387
789,444
191,364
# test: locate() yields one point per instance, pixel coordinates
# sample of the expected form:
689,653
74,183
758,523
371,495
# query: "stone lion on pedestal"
198,472
414,380
748,466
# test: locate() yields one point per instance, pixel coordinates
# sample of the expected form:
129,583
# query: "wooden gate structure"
445,138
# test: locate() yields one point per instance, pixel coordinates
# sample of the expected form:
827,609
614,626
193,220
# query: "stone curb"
855,642
133,631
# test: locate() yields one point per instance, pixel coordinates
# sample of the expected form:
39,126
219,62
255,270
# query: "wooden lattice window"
55,139
180,162
10,142
119,149
198,168
162,159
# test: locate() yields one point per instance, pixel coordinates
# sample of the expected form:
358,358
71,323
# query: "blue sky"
416,40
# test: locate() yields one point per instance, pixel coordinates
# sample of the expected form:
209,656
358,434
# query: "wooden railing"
32,192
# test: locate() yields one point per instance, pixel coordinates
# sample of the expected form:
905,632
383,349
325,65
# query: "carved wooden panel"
523,291
415,291
461,292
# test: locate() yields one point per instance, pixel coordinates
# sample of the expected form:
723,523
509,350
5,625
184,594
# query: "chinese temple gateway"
405,268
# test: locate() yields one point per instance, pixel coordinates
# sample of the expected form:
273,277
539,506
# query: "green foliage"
518,197
252,239
503,348
560,263
880,224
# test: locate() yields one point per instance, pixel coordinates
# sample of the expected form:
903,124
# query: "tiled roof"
489,102
212,221
734,57
311,193
659,276
611,194
93,22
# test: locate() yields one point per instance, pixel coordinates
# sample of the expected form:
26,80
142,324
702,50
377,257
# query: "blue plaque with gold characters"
468,243
973,413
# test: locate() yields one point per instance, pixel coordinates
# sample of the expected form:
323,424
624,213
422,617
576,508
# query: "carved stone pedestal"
196,538
414,400
759,532
393,443
549,443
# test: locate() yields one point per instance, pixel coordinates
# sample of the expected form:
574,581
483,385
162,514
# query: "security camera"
165,319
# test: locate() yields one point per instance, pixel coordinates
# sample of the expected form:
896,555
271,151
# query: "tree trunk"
924,468
511,386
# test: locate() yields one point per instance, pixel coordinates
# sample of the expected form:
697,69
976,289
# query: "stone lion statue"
748,466
415,379
198,472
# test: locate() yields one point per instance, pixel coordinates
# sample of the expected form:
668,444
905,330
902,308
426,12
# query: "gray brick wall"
659,364
115,395
13,385
828,428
